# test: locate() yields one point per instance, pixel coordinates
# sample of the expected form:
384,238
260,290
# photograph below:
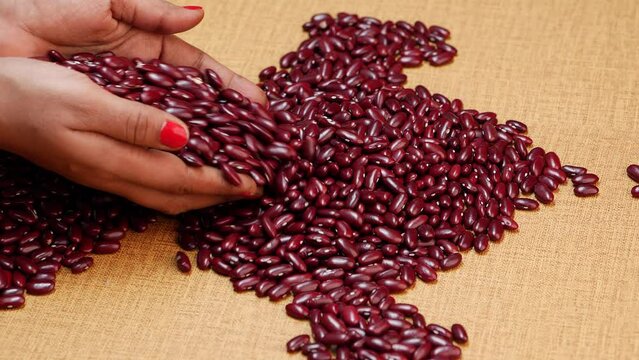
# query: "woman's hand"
131,28
62,121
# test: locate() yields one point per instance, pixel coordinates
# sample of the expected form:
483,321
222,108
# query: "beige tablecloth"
565,286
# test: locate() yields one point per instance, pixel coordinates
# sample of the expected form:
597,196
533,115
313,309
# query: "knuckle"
137,128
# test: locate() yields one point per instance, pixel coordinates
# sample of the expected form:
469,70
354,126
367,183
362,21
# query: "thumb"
139,124
158,16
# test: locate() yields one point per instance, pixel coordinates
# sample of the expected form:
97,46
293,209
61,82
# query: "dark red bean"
203,259
183,262
451,261
26,265
459,334
11,301
18,279
5,279
441,58
297,311
572,170
213,79
82,265
40,287
230,174
248,283
278,292
388,234
633,172
495,230
426,273
525,204
481,243
297,343
448,351
543,194
159,79
585,179
106,247
586,190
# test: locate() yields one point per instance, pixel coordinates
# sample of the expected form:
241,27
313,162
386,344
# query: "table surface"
565,286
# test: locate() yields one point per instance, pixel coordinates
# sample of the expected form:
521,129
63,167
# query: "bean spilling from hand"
369,185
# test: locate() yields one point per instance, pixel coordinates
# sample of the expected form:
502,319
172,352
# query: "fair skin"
62,121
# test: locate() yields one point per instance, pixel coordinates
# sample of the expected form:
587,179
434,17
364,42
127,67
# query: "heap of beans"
47,222
369,185
633,173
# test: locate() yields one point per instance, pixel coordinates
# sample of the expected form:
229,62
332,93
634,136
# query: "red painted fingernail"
173,135
193,7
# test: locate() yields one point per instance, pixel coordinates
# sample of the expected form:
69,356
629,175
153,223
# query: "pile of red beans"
369,185
47,222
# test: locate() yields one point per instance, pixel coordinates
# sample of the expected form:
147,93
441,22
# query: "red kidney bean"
585,179
525,204
572,170
586,190
248,283
26,265
82,265
635,191
183,262
451,261
297,311
106,247
633,172
297,343
543,193
203,259
426,273
459,334
11,301
40,287
481,243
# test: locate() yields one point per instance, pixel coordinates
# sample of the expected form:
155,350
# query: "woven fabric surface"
565,286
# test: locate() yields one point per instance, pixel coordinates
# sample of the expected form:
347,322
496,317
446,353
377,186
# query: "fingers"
135,123
177,51
167,203
156,16
110,159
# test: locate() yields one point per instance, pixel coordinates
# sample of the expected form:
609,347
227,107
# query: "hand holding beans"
67,124
103,141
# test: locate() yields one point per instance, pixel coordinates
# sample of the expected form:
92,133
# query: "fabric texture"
565,286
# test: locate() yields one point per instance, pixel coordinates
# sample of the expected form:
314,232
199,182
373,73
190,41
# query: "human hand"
62,121
130,28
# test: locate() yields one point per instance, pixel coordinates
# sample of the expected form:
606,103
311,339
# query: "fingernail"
173,135
192,7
